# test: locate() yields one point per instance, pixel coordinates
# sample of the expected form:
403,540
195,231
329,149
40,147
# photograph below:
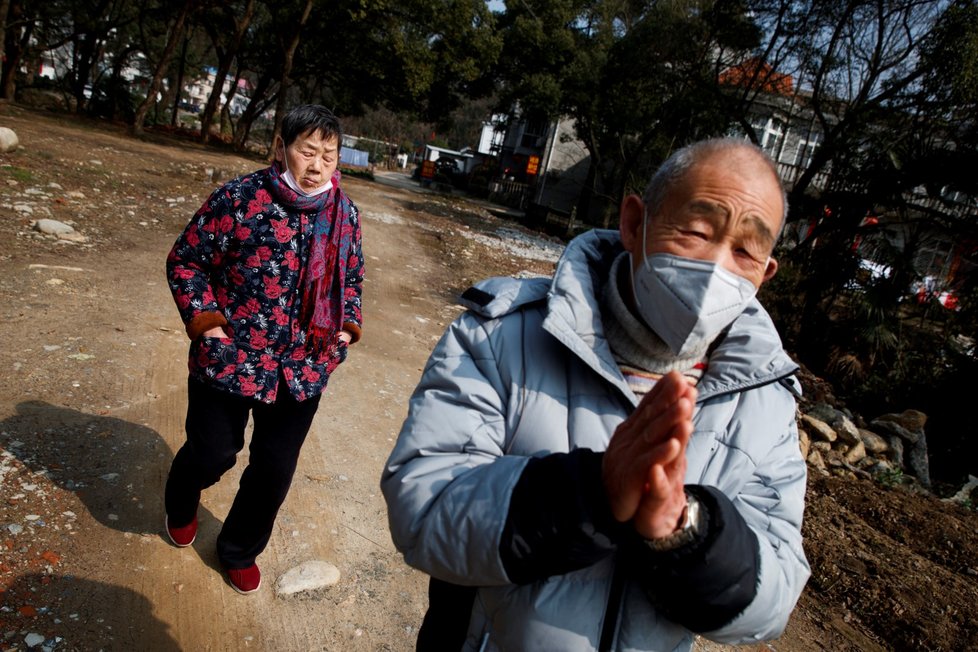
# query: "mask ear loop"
645,226
645,259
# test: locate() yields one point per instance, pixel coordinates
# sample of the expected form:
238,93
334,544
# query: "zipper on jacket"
612,614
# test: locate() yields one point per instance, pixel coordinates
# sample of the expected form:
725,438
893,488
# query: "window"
773,139
805,151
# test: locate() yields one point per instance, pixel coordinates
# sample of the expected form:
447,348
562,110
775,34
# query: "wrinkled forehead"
735,176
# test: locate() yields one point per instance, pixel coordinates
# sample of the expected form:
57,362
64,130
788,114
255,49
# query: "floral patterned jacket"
240,263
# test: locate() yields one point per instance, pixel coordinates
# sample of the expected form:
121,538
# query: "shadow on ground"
116,468
84,614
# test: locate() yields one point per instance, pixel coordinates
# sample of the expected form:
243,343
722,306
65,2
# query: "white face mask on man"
688,302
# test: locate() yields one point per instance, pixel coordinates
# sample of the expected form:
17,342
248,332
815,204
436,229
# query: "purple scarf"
325,273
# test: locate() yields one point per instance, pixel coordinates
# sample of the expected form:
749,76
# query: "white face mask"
292,183
688,302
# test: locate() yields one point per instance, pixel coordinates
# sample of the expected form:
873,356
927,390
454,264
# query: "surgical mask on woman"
291,182
688,302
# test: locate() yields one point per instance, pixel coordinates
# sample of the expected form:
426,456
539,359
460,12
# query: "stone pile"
891,445
835,441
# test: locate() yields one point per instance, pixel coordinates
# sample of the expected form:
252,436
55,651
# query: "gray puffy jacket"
526,372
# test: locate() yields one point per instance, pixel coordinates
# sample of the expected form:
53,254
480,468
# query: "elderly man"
608,459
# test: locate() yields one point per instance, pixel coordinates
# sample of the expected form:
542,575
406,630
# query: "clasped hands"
644,468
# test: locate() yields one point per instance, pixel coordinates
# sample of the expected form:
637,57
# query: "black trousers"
215,426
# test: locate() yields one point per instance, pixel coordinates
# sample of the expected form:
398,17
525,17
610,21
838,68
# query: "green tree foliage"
636,77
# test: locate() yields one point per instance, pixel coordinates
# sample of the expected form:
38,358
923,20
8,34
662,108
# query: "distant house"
198,91
540,164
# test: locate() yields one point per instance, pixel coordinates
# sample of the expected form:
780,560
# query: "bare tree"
174,37
288,56
226,49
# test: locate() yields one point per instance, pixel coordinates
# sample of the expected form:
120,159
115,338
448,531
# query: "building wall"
564,168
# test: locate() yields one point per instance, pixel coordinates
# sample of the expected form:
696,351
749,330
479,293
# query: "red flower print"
248,386
247,309
241,232
272,289
309,375
254,207
279,316
264,252
228,370
225,224
282,231
183,299
291,260
259,339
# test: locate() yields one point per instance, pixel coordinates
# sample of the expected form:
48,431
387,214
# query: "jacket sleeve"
739,582
353,283
447,482
192,261
772,504
559,519
705,583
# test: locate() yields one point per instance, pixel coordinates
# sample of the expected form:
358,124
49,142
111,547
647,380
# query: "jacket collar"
748,355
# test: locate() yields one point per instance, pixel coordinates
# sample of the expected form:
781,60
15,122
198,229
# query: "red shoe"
245,580
182,536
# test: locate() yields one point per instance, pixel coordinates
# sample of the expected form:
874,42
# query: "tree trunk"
243,128
287,57
224,60
174,119
13,48
4,10
226,124
176,33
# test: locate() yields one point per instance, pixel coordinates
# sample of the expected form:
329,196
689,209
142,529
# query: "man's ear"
770,270
630,219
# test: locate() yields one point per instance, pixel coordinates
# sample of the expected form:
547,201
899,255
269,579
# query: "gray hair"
680,162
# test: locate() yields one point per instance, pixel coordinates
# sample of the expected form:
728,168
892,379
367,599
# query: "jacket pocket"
216,356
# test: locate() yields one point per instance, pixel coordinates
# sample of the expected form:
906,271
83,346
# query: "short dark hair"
310,117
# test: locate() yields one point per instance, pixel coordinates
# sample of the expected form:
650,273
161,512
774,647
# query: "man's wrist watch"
694,525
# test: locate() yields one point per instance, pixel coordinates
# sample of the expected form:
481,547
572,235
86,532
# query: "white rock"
33,639
53,227
8,142
308,576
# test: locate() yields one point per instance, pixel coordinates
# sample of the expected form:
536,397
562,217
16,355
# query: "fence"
509,193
